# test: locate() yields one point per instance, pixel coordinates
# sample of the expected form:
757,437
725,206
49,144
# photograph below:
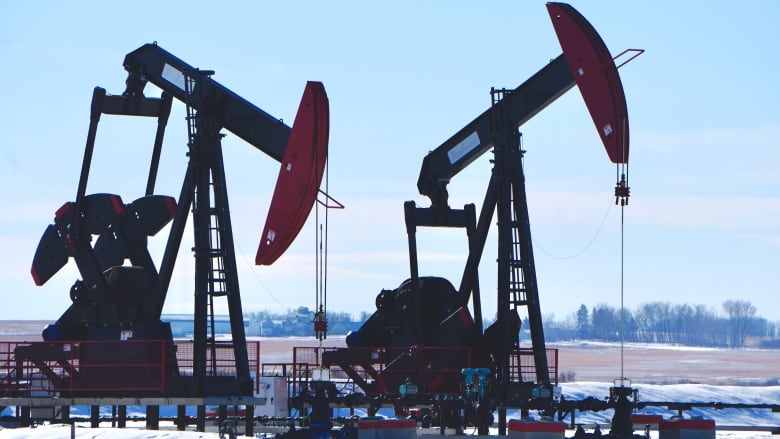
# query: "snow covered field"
675,392
692,393
84,432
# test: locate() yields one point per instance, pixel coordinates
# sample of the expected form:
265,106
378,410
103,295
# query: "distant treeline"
737,326
300,322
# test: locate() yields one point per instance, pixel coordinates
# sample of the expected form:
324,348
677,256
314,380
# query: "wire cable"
252,268
586,247
622,277
622,192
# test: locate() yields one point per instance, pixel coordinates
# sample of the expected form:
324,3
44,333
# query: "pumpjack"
121,293
423,336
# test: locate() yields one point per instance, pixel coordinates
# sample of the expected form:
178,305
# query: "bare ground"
648,364
586,361
660,364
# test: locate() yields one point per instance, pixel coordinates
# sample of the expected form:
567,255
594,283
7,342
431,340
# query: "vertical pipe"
200,420
65,414
122,416
411,231
249,421
152,417
181,418
162,121
470,216
94,416
94,117
25,415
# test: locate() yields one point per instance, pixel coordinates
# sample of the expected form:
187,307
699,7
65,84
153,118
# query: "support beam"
249,421
181,417
200,421
122,416
153,417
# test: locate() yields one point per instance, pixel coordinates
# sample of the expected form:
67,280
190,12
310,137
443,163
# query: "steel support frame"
204,179
432,217
505,195
512,213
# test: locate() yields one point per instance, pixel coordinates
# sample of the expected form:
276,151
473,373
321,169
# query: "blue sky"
703,225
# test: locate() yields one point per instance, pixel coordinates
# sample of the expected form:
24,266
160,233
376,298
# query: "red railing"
82,367
220,361
378,370
47,368
523,368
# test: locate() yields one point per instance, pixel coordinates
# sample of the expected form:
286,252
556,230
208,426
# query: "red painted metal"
687,424
378,371
100,367
36,278
597,77
529,426
300,175
82,367
63,210
644,418
387,424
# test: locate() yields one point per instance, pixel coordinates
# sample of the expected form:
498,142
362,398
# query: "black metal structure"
428,311
421,312
497,127
100,300
517,285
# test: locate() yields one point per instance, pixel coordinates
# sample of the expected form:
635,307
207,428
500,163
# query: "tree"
707,327
583,322
740,313
606,323
629,325
364,316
